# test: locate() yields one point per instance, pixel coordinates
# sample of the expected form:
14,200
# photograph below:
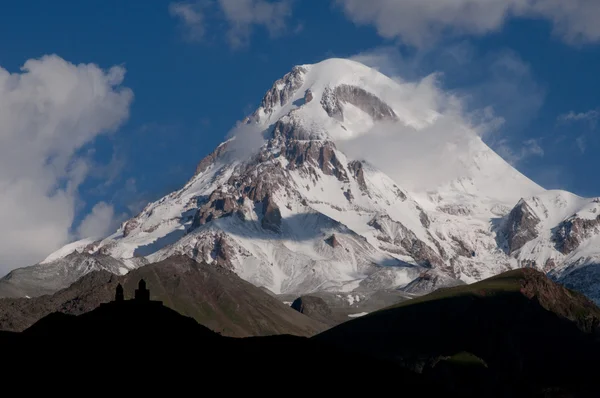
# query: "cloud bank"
48,112
421,23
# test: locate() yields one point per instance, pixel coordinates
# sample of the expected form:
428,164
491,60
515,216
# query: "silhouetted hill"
515,335
147,346
530,333
213,296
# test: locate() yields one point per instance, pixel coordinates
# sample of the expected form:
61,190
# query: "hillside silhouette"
515,335
172,350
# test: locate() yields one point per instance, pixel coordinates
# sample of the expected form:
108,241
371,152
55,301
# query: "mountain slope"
281,205
213,296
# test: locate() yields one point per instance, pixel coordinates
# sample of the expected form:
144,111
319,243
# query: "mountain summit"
281,205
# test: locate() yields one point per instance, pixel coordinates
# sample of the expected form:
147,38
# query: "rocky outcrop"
218,205
129,226
367,102
570,233
398,239
315,308
222,253
357,170
332,241
308,96
283,89
212,158
520,227
332,100
456,210
308,154
424,218
289,129
331,104
271,215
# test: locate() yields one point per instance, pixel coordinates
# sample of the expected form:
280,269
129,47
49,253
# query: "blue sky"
194,68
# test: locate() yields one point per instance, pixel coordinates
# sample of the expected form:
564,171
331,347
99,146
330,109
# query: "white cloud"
421,23
241,16
191,16
48,112
589,116
99,223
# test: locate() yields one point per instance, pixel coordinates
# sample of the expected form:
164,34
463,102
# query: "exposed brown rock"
332,241
283,89
210,159
571,233
367,102
357,170
520,227
308,96
271,215
130,226
331,104
404,241
218,205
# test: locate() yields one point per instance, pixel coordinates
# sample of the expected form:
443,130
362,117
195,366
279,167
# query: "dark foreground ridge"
516,335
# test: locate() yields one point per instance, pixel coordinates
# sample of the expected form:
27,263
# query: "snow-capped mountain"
281,205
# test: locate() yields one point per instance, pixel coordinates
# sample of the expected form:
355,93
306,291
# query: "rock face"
271,215
283,89
396,238
332,100
308,96
570,233
333,241
212,158
521,227
356,168
214,296
315,308
218,205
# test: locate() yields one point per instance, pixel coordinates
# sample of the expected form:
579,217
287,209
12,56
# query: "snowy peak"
296,214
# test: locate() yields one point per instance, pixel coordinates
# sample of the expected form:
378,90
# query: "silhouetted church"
141,294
